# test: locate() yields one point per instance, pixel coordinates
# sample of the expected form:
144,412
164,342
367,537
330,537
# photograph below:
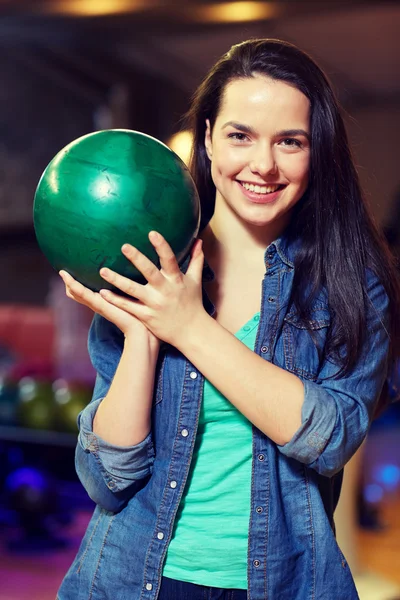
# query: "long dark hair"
338,235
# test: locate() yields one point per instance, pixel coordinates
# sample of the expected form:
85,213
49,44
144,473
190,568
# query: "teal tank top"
210,537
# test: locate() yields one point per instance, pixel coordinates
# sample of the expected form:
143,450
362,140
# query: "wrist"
195,333
144,338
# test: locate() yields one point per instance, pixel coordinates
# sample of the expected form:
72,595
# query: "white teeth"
260,189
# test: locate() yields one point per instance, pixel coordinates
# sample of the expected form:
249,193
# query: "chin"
278,221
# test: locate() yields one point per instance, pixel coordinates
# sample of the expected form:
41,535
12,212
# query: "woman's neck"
226,238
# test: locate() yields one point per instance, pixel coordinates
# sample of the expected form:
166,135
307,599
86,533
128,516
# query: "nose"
263,160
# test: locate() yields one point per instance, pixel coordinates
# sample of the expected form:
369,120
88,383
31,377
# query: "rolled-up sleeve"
119,465
337,411
105,469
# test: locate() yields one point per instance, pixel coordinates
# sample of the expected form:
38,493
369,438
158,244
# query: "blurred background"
70,67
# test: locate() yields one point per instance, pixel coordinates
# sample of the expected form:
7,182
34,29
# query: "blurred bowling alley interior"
71,67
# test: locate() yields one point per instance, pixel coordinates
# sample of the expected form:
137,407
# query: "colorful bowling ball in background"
70,398
36,408
109,188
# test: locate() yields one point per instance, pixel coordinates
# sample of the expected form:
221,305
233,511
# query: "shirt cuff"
318,420
120,462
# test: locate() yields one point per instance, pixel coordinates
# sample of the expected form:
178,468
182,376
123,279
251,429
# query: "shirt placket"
177,475
260,493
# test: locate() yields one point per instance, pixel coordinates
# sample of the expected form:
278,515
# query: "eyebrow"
293,133
251,131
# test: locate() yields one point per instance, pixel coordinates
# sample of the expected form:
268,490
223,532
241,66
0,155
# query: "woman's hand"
125,321
171,301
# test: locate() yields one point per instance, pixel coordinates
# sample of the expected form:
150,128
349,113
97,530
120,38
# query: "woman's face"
260,150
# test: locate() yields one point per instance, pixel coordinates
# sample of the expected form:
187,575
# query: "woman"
230,396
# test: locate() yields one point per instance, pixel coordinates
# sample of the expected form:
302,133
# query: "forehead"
262,97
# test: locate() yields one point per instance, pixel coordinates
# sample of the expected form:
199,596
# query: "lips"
265,188
261,194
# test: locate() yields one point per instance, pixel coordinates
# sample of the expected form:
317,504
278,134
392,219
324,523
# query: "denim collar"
286,248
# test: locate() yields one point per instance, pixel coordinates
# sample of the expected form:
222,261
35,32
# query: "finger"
81,294
95,302
75,288
148,269
68,281
137,309
124,284
168,260
195,269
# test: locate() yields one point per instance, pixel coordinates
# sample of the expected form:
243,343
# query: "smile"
260,189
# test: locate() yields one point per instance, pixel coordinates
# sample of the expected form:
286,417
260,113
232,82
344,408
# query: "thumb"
195,269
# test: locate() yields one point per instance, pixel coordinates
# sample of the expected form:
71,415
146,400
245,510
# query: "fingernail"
154,236
126,247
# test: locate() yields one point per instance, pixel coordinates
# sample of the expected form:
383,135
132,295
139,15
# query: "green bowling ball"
70,399
36,404
109,188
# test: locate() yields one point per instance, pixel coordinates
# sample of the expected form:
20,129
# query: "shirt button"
271,298
264,349
256,563
149,586
173,484
193,375
160,535
261,457
259,509
246,328
257,318
184,433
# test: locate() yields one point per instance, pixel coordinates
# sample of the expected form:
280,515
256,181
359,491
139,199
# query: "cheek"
298,171
229,159
225,163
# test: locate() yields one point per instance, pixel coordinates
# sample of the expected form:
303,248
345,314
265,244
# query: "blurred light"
230,12
93,8
62,394
27,389
388,475
373,493
25,476
181,144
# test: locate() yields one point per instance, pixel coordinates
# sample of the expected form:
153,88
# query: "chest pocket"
304,341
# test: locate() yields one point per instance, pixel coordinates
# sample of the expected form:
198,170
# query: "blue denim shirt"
292,551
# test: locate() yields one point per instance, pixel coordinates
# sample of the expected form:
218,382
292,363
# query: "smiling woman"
260,141
230,394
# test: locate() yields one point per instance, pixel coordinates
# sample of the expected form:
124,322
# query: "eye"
291,143
240,137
